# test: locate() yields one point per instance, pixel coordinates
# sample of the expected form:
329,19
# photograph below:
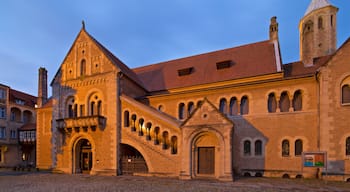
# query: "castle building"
237,111
17,128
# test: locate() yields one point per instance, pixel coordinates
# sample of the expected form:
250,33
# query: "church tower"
318,29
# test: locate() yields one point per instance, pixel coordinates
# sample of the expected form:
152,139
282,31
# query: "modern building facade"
237,111
17,128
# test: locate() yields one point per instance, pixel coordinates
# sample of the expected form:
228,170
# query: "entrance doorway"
83,157
206,160
132,160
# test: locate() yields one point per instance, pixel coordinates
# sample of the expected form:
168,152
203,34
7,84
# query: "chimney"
42,87
274,29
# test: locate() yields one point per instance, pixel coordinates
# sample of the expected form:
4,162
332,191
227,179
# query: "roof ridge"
317,4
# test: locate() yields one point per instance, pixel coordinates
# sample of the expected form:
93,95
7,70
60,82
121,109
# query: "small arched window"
258,147
347,146
244,105
233,106
173,145
165,140
190,108
320,23
346,94
156,137
246,148
297,101
141,121
284,102
285,148
82,67
126,119
271,103
181,111
92,108
298,147
223,106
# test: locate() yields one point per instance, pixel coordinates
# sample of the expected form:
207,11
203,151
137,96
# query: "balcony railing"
78,123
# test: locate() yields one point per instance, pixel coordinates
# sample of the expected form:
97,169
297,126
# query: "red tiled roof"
28,126
29,100
297,69
246,61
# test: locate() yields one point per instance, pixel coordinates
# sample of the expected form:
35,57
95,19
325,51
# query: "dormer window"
186,71
19,102
223,65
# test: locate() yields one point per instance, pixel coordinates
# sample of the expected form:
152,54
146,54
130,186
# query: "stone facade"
237,111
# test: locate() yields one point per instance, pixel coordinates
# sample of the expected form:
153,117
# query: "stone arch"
94,101
207,143
75,152
150,164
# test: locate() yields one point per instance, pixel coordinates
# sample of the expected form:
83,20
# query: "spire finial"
83,24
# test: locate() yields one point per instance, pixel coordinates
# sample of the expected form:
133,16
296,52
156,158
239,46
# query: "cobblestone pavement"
21,181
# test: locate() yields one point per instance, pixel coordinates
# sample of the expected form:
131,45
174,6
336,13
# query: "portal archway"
82,156
132,160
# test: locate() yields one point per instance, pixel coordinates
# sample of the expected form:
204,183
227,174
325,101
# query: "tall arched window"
320,23
284,102
126,119
181,111
244,105
99,107
271,103
246,148
285,148
92,108
70,107
165,140
156,135
258,147
233,106
141,121
82,67
297,101
347,146
223,106
346,94
190,108
298,147
173,145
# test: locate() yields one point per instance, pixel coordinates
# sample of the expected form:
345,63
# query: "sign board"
314,159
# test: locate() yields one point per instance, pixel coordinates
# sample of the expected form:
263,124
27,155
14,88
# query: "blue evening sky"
39,33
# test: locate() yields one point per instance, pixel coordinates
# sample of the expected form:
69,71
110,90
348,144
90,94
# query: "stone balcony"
81,123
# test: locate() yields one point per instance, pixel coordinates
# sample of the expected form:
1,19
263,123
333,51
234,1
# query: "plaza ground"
40,181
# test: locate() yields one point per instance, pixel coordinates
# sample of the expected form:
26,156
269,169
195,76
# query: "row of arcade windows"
298,148
257,148
236,107
94,107
284,104
143,128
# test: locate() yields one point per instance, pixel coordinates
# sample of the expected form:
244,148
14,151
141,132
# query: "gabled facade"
237,111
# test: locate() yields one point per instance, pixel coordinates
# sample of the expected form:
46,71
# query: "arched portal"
206,156
82,162
132,160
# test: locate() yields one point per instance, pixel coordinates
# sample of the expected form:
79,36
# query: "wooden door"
206,160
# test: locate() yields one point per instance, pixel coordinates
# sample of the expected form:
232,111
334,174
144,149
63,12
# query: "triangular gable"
206,114
84,36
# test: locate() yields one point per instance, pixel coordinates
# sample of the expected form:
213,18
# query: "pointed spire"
83,24
317,4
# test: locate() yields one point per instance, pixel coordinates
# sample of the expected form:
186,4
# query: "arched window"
320,23
92,108
133,126
82,67
173,145
271,103
298,148
99,107
285,148
246,148
156,137
148,131
181,111
258,147
190,108
244,105
165,140
71,111
284,102
347,146
95,105
346,94
222,107
297,101
233,106
126,119
141,121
